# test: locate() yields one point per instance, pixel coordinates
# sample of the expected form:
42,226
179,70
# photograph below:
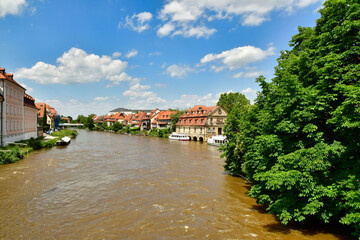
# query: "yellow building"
202,122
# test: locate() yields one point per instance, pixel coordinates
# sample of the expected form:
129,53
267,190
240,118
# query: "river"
111,186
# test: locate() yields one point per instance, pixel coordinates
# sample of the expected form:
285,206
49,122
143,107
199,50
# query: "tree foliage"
298,143
228,100
175,118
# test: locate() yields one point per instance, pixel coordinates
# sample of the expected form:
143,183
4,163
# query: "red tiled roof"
195,116
29,101
165,115
50,110
9,77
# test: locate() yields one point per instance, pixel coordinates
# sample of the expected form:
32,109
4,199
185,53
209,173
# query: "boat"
217,140
63,141
179,137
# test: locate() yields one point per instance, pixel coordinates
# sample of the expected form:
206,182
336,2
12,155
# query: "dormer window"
190,121
196,121
219,111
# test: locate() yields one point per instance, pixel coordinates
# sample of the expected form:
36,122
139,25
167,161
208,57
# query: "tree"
298,143
116,126
229,100
175,118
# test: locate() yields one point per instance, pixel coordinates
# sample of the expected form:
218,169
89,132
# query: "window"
194,129
10,126
202,120
213,130
11,91
201,130
195,121
185,121
190,120
219,111
209,130
15,93
10,110
211,121
7,108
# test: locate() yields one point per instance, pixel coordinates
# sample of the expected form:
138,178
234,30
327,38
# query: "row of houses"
19,114
145,120
200,122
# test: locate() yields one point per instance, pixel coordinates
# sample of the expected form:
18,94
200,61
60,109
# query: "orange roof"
165,115
9,76
49,110
196,115
29,101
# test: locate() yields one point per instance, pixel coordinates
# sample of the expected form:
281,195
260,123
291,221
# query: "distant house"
163,119
111,119
18,117
137,119
52,117
126,111
148,119
202,122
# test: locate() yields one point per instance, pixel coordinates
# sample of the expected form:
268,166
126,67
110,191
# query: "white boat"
179,137
63,141
217,140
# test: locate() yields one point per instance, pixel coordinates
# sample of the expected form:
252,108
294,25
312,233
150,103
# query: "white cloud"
198,32
160,85
12,7
116,54
138,22
131,53
239,57
250,94
101,98
76,66
179,71
192,100
247,74
141,97
182,15
28,89
165,30
74,107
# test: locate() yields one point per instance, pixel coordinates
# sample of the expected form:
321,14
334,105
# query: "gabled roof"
165,115
198,111
29,101
49,110
9,76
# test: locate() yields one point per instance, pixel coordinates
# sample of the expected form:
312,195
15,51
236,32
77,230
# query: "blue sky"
84,57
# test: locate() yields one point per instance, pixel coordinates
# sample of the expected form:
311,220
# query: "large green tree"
299,143
229,100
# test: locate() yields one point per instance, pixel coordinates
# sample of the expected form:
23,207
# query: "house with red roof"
163,119
202,122
18,112
50,112
149,119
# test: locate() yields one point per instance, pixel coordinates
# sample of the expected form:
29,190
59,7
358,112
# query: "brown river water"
111,186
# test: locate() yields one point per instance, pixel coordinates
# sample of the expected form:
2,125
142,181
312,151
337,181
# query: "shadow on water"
311,227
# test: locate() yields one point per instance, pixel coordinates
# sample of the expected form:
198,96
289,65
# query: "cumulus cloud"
76,66
12,7
247,74
75,107
138,22
250,94
179,71
192,100
141,95
131,53
101,98
116,54
185,17
238,57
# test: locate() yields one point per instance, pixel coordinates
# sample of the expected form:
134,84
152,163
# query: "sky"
91,56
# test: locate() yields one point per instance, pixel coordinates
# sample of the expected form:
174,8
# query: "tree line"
298,143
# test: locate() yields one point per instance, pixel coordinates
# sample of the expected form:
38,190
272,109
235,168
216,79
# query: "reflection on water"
108,186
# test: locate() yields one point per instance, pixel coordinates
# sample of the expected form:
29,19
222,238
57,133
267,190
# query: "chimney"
2,71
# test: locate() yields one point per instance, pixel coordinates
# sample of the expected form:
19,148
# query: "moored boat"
217,140
63,141
179,137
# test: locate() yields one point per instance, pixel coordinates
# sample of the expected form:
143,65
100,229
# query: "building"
30,117
148,119
202,122
163,119
126,111
52,117
15,103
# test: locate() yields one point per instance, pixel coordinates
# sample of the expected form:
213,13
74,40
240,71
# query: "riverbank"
18,150
163,133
